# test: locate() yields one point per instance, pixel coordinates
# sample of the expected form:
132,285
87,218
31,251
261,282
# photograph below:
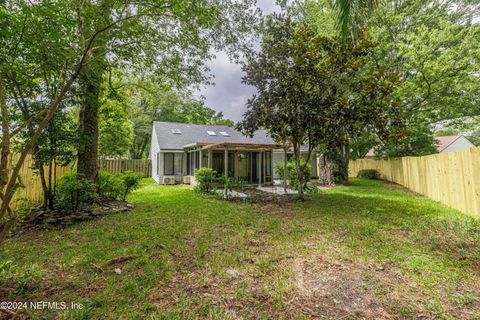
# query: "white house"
177,149
453,143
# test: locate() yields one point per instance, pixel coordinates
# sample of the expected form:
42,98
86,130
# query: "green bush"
369,174
204,178
292,173
227,183
74,192
131,181
111,185
241,183
119,186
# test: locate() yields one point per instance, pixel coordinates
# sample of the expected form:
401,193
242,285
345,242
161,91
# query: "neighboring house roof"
444,142
192,133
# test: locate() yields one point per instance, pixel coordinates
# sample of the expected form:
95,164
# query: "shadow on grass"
389,222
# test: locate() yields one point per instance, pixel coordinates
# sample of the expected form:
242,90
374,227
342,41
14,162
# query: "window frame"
165,173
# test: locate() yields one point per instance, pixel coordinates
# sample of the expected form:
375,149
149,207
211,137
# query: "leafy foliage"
119,186
131,181
74,192
317,91
115,131
292,176
227,183
148,101
111,185
204,178
434,46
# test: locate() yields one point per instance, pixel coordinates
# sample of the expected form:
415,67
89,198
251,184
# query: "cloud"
229,95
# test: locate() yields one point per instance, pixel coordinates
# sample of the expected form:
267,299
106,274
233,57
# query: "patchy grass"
367,250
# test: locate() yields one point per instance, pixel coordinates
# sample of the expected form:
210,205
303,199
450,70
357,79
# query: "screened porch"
250,163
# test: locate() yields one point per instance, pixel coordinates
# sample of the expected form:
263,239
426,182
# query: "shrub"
227,183
131,181
119,186
369,174
111,185
241,183
292,173
74,192
204,178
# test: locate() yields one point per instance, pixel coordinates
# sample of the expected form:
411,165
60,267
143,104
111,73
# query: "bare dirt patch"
337,289
331,289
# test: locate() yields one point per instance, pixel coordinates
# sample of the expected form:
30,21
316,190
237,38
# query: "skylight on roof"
176,131
223,133
211,133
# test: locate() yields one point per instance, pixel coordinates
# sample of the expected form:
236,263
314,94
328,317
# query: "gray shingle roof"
191,133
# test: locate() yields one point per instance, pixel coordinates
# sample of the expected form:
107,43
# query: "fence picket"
33,192
452,178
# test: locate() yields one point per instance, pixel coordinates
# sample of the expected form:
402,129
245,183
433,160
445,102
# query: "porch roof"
236,145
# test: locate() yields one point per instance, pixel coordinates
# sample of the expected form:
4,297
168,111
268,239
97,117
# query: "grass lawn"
370,250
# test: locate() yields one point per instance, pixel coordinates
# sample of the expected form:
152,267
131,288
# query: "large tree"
316,91
147,98
66,45
435,47
172,37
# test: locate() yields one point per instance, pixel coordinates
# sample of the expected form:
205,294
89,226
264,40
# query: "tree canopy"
317,91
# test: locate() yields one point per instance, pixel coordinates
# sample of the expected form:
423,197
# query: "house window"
158,162
172,164
178,164
168,164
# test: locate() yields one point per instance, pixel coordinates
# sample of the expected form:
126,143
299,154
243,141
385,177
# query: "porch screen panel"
268,164
192,162
168,163
178,164
197,159
217,162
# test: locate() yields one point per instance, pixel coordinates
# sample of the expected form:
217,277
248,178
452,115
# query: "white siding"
461,143
154,152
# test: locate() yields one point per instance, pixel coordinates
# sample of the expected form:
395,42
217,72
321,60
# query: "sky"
229,95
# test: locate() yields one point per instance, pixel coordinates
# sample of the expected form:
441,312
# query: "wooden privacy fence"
122,165
33,192
452,178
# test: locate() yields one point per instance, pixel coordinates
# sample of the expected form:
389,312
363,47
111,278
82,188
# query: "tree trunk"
285,170
299,167
325,172
340,168
90,81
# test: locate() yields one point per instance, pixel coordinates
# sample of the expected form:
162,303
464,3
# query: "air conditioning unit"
169,180
186,179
